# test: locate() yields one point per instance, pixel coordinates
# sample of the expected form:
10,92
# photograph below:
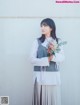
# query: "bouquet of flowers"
56,47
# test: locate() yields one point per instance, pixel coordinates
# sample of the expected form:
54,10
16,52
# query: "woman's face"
45,29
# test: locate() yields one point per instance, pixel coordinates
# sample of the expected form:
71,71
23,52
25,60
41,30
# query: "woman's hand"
50,58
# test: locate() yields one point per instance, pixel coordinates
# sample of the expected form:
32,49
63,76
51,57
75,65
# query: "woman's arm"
37,61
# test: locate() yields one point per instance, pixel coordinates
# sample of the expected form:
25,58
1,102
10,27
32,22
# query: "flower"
56,47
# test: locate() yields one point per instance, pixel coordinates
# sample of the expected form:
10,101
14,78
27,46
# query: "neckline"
49,37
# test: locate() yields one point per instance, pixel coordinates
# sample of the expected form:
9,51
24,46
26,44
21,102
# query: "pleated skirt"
46,94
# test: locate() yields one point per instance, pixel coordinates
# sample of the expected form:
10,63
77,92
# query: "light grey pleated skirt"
46,94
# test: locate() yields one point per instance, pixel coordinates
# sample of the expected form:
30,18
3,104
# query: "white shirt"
46,77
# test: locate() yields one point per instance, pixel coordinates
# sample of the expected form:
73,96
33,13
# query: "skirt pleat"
46,94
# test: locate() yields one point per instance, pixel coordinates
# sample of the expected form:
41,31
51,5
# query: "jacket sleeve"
33,56
59,57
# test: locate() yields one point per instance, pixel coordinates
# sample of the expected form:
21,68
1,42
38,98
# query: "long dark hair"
52,25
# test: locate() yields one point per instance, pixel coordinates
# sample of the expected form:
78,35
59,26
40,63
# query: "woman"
46,76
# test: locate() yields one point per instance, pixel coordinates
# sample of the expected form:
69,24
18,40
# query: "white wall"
16,37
